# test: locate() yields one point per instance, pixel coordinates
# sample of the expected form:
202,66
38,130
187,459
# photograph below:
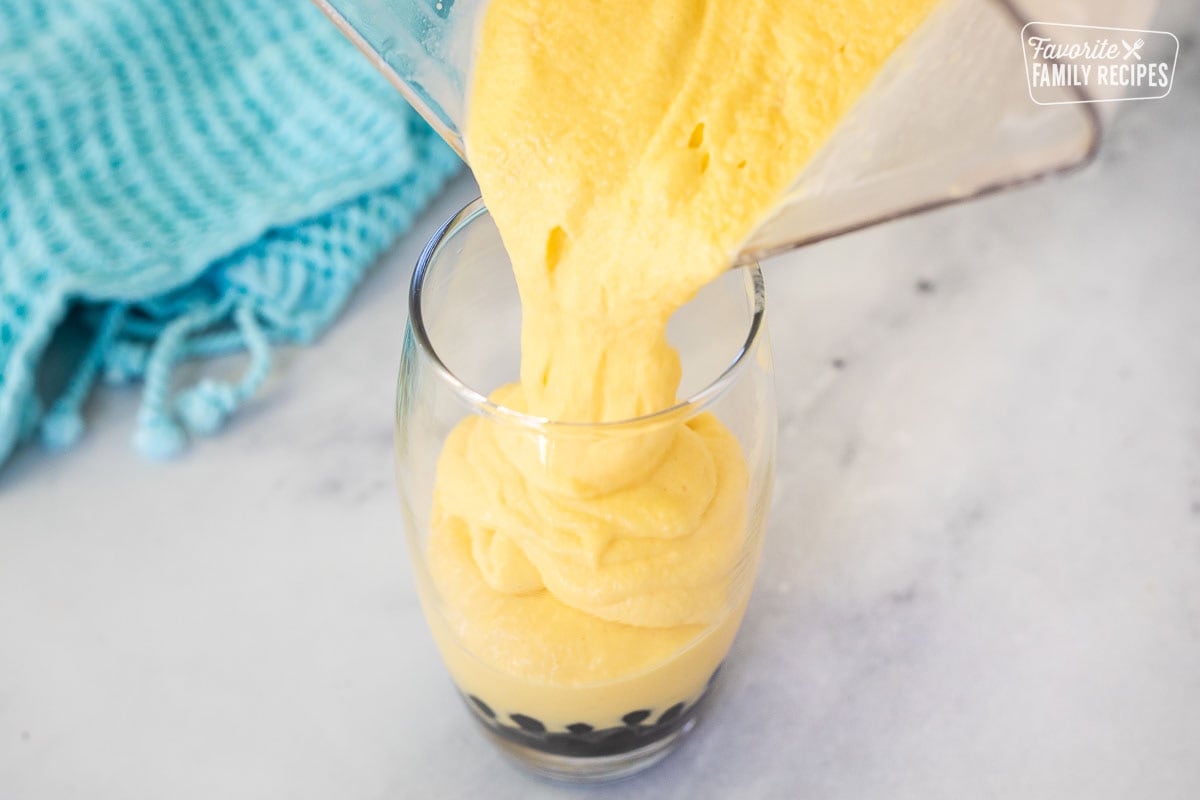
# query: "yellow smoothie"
625,150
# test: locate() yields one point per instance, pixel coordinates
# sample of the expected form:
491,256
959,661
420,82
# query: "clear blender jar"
950,117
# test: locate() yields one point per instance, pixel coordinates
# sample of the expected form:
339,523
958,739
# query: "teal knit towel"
191,178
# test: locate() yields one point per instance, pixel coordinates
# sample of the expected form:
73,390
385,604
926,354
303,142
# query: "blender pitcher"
949,117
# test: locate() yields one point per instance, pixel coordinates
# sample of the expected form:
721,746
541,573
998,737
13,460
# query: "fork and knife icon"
1132,49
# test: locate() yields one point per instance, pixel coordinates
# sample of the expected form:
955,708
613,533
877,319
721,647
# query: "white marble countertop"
983,564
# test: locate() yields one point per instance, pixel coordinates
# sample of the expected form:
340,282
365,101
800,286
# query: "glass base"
591,769
584,754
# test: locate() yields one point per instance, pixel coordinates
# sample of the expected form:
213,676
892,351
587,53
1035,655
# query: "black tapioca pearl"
671,714
482,706
580,728
528,723
615,740
635,717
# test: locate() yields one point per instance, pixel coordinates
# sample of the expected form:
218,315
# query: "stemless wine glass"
506,557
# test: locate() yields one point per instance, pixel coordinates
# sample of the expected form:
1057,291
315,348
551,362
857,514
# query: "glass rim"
480,403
